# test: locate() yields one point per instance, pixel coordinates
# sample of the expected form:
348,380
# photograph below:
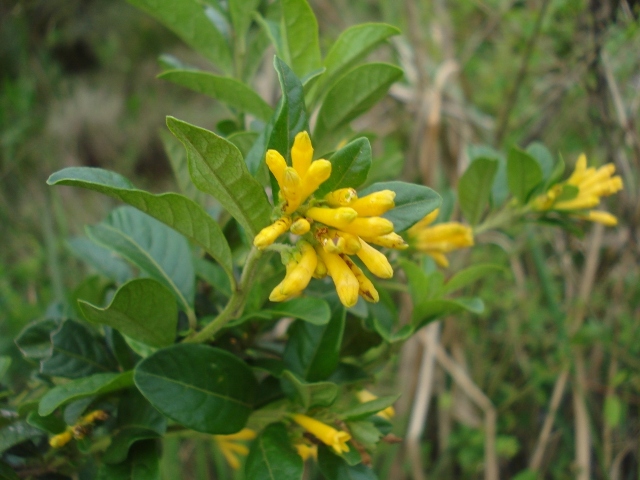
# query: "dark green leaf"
349,167
470,275
75,409
143,464
76,353
413,202
335,468
16,433
319,394
34,341
213,275
367,409
5,363
474,188
142,309
189,21
203,388
172,209
310,309
7,473
100,258
430,310
225,89
241,12
313,351
365,433
272,457
217,168
300,29
158,250
90,386
49,423
523,174
125,356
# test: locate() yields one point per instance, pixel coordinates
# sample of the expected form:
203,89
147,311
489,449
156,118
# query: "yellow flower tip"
347,285
269,234
375,204
300,226
244,434
277,164
390,240
95,416
374,260
425,222
604,218
307,451
301,153
334,217
341,197
336,439
369,227
439,258
318,172
60,440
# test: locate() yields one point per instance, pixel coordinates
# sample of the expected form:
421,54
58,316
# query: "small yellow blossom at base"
336,439
307,451
366,396
60,440
230,448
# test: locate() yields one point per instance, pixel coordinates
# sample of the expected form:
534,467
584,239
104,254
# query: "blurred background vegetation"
78,87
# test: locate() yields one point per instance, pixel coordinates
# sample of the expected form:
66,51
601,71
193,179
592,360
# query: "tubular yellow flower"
307,451
366,396
345,281
291,190
301,153
321,269
351,242
341,197
599,216
390,240
269,234
368,226
297,278
334,217
300,226
60,440
318,172
374,260
374,204
277,164
336,439
366,290
228,446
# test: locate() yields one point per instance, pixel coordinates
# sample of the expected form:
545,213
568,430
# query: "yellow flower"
336,439
439,239
230,448
366,396
60,440
592,185
307,451
333,226
79,430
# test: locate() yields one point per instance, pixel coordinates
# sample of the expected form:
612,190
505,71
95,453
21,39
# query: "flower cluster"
592,184
79,430
439,239
230,447
332,227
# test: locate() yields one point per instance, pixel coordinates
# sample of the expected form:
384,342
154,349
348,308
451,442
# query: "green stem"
503,218
236,303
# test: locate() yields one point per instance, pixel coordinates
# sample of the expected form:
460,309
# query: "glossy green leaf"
76,352
309,395
349,167
224,89
158,250
523,174
272,456
16,433
336,468
367,409
217,168
142,309
203,388
470,275
474,188
90,386
430,310
178,212
34,341
101,259
48,423
351,96
143,464
300,32
190,22
313,351
413,202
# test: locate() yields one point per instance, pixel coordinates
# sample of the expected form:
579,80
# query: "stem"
236,303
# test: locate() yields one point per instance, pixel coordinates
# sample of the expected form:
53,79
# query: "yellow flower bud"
578,203
366,396
321,269
599,216
341,197
374,260
390,240
345,281
426,221
334,217
96,415
228,446
366,290
297,278
291,190
368,227
269,234
300,226
60,440
307,451
336,439
277,164
333,244
351,242
301,153
318,172
374,204
244,434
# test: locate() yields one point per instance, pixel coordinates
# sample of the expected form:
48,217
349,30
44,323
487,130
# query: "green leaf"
349,166
244,141
224,89
190,22
217,168
100,258
523,174
5,363
367,409
470,275
351,96
413,202
16,433
556,174
7,473
178,159
213,275
90,386
336,468
203,388
313,351
76,353
417,280
313,310
569,192
351,46
241,13
474,188
48,423
142,309
543,156
300,32
143,464
309,395
291,115
430,310
34,341
178,212
272,457
365,433
158,250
